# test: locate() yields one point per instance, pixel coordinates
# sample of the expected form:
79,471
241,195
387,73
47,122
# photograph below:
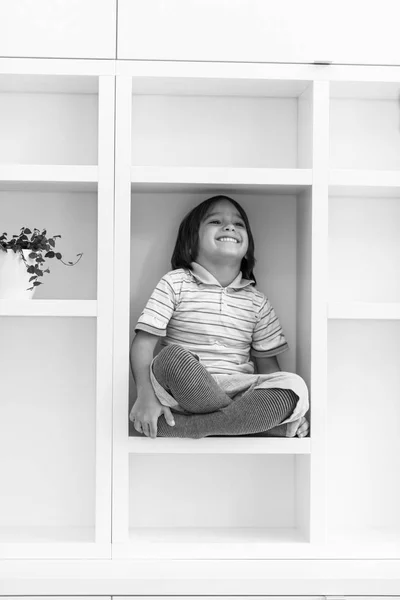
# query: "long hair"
187,241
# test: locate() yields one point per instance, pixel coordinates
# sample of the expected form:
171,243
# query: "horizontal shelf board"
48,177
223,445
366,90
364,310
48,308
47,535
48,84
368,542
214,535
280,181
51,543
197,542
349,182
219,86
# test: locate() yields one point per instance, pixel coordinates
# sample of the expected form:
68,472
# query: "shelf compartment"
48,308
364,248
364,126
262,501
225,445
363,445
48,437
190,179
49,120
364,310
260,128
68,178
74,216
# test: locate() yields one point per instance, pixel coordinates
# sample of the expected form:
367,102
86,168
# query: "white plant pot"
14,278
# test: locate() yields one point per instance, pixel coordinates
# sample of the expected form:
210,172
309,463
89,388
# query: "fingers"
168,416
148,429
137,425
153,429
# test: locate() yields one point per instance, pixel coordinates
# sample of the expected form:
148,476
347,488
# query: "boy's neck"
224,274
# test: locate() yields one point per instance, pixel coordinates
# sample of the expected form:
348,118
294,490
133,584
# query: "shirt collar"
203,275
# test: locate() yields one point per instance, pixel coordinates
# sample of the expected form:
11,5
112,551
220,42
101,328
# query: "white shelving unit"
312,155
57,172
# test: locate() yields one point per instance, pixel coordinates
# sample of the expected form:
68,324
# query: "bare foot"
299,428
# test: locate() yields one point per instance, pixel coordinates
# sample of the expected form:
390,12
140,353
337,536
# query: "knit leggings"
209,410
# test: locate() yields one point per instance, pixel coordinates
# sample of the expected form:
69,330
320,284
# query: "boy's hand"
145,413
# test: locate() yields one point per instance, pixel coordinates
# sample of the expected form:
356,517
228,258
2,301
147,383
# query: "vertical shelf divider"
104,308
319,276
122,309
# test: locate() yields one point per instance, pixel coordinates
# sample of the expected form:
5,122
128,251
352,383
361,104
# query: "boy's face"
223,237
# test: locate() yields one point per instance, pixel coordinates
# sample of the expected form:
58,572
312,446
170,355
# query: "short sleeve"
268,338
159,308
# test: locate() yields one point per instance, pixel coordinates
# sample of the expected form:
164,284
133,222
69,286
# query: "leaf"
58,255
31,269
32,278
27,231
52,243
36,283
32,255
50,254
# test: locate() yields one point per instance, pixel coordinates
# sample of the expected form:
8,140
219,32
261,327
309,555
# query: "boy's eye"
217,221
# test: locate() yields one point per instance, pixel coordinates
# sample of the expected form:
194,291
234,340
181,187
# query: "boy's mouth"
228,239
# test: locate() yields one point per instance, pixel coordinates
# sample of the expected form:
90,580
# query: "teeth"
227,239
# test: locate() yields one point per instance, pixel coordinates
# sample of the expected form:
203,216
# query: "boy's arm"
147,408
141,355
266,365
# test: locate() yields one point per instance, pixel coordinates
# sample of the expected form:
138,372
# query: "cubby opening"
73,215
364,126
364,248
281,226
363,437
48,120
222,123
47,430
245,501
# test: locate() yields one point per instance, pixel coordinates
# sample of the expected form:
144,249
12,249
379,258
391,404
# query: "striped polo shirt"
224,326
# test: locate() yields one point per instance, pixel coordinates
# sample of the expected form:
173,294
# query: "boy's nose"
230,227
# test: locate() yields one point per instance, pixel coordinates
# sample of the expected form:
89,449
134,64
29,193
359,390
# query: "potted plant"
22,262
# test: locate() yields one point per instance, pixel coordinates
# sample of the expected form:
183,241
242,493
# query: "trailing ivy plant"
41,246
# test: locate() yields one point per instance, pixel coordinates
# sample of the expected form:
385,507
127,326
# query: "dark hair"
187,241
